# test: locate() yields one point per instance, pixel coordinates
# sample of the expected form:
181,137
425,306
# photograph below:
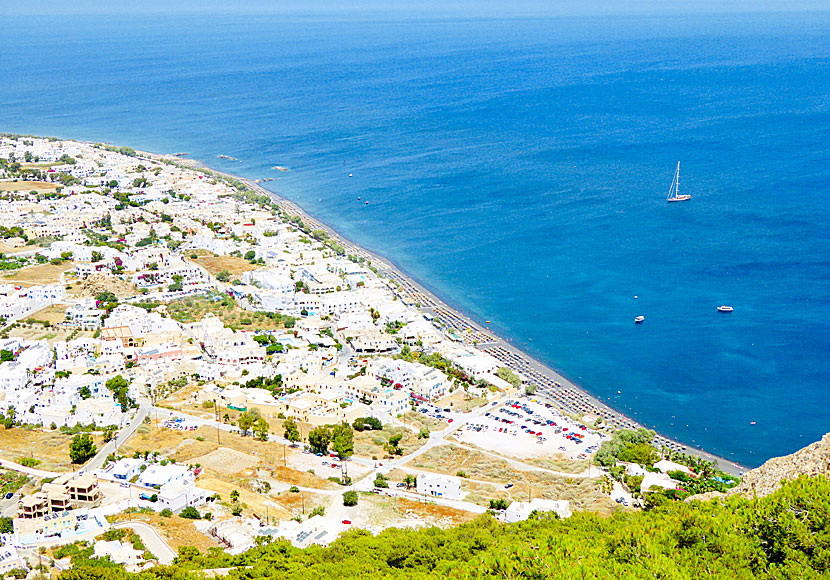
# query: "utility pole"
216,418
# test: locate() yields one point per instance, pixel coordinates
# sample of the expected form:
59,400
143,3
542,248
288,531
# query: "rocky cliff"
812,460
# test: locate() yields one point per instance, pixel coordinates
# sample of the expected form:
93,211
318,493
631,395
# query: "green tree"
119,386
261,429
393,445
85,392
6,355
342,440
82,448
10,418
290,430
319,439
109,432
508,375
247,420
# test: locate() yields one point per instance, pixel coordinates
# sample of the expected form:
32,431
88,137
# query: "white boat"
724,308
674,190
639,319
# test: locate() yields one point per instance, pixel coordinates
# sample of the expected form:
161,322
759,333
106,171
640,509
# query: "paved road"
123,435
5,464
152,541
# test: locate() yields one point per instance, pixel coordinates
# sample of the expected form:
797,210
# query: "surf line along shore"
549,384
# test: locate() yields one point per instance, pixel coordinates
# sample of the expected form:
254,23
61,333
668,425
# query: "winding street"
152,540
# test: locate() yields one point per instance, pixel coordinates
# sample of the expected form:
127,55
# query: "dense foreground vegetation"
785,535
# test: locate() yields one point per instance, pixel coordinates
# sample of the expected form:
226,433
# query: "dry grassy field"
297,503
215,264
460,401
50,447
371,443
584,493
37,275
227,461
51,334
28,186
193,309
433,513
52,314
422,420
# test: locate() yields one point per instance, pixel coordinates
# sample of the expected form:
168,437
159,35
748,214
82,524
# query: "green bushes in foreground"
786,535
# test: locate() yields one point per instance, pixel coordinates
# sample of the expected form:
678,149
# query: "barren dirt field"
28,186
52,314
38,275
215,264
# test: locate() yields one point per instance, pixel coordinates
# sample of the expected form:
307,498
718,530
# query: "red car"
347,522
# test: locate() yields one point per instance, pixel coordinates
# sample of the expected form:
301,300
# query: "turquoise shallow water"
519,169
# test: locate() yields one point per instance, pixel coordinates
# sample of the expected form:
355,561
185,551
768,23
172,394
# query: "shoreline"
550,384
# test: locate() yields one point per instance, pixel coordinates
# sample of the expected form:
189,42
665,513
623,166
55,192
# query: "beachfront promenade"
548,383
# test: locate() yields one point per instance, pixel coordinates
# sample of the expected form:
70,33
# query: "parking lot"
530,428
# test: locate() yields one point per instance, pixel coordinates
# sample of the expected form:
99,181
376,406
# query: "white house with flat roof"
157,476
127,468
434,485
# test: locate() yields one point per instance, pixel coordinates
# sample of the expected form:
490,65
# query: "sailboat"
674,190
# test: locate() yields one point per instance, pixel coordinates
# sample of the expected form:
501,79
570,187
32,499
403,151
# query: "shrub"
190,513
166,513
350,498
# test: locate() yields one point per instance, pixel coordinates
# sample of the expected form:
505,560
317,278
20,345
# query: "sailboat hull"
679,198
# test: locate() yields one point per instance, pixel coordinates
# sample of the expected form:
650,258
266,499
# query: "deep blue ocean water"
519,169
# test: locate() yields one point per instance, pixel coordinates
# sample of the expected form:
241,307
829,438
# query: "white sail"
674,190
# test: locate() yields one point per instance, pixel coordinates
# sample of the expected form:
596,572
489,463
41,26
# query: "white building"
127,468
434,485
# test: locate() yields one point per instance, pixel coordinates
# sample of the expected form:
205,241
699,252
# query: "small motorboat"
724,308
639,319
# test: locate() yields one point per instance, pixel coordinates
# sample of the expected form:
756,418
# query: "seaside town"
189,362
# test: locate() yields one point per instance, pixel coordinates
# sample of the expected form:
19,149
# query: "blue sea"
519,169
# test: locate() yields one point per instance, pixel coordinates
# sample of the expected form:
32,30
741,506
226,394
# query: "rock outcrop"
812,460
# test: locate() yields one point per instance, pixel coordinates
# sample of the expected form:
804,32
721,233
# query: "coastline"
550,384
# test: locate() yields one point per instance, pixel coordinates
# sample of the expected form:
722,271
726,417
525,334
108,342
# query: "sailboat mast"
677,181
